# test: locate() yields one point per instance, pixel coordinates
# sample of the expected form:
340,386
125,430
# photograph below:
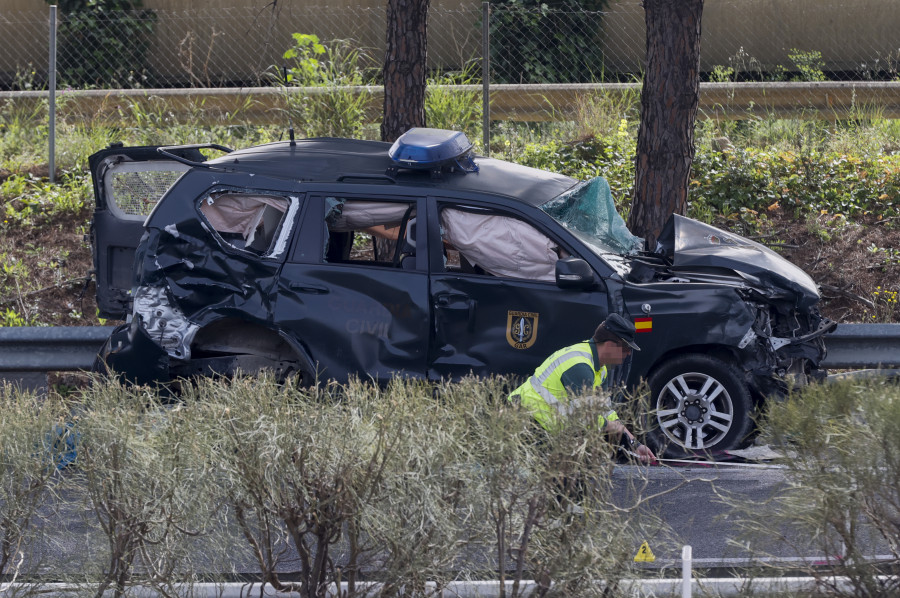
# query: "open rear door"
128,183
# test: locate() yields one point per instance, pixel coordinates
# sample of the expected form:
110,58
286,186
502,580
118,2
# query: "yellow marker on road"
644,554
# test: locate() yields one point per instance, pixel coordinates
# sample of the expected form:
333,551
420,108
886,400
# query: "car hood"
693,245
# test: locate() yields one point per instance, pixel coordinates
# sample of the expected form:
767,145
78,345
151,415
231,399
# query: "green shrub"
320,108
545,501
104,43
721,74
308,472
446,108
33,443
554,41
405,484
811,182
612,158
613,115
23,132
144,478
28,200
417,481
809,64
841,462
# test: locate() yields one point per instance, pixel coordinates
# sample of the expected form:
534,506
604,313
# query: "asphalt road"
697,503
691,500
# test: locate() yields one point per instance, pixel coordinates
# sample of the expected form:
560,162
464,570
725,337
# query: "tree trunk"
404,67
669,99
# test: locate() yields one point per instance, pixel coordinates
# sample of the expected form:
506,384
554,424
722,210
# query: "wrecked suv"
328,258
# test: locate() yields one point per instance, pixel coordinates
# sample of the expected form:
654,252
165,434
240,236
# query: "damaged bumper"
774,351
130,349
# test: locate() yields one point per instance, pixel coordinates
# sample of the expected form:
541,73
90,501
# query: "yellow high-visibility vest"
544,395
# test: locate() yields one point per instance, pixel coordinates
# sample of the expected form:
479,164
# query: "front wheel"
700,404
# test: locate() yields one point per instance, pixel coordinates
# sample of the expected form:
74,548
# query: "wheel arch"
236,335
723,352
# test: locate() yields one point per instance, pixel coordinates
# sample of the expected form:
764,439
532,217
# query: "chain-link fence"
743,41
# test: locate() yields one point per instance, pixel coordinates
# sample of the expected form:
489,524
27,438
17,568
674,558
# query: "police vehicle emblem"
521,328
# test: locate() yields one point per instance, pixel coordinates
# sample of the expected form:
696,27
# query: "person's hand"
645,454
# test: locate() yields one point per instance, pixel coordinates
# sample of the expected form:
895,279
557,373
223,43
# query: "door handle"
459,303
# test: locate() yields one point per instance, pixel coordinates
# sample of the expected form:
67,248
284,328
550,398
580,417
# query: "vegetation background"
823,193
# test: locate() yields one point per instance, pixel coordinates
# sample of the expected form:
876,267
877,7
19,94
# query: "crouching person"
573,371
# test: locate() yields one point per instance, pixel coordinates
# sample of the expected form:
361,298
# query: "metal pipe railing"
73,348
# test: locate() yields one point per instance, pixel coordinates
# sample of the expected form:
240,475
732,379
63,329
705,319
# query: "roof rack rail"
168,151
382,178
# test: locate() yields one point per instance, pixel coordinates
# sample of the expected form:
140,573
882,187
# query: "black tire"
699,404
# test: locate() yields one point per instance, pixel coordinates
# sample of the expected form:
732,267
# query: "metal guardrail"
854,346
28,353
50,349
533,102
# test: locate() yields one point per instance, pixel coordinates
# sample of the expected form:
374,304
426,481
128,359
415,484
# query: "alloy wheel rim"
695,411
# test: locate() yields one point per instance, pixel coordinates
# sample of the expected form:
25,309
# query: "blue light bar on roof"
432,149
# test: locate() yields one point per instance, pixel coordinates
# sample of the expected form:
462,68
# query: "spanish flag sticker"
643,324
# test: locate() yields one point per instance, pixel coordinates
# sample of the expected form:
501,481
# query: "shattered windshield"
588,211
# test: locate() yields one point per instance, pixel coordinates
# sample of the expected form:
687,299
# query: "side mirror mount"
574,273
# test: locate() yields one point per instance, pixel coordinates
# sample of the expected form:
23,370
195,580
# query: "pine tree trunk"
404,67
669,100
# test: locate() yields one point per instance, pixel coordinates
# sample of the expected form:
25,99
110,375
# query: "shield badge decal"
521,328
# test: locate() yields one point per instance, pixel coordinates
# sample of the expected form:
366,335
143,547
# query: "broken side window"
485,242
375,233
249,222
134,188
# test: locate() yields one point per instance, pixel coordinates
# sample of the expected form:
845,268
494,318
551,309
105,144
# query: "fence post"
486,76
51,150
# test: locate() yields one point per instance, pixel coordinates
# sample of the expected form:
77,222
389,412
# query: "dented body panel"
695,245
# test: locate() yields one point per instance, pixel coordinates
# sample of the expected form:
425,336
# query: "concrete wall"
231,38
846,33
40,6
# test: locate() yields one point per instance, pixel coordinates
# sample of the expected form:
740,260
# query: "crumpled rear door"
128,183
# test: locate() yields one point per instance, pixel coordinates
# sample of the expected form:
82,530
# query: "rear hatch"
128,183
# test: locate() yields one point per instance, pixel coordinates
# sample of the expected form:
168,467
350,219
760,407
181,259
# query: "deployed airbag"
500,245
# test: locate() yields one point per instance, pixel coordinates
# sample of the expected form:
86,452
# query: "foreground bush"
142,472
33,442
413,486
842,463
